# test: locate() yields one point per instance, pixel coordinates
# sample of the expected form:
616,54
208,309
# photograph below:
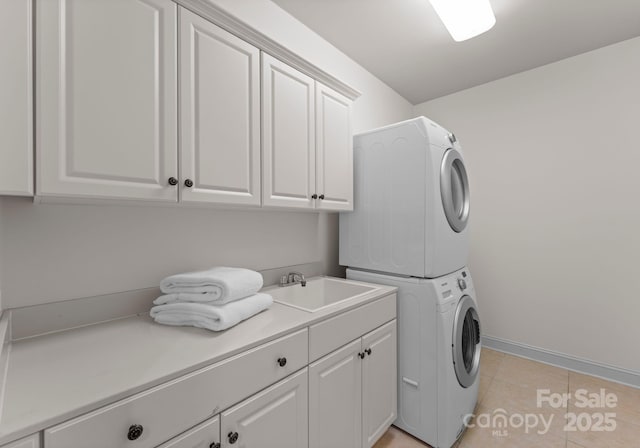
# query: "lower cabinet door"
379,384
205,435
335,392
28,442
274,418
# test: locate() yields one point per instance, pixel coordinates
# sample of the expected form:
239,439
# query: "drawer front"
333,333
205,435
28,442
167,410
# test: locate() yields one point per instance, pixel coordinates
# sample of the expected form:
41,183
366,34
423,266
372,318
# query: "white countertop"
53,378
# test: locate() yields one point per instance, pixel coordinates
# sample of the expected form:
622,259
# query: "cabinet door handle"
368,351
233,437
214,445
188,183
314,196
173,181
282,361
321,196
361,355
135,431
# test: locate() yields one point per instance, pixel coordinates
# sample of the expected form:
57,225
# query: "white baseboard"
607,372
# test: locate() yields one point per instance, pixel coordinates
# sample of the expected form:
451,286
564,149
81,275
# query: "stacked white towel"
220,285
216,299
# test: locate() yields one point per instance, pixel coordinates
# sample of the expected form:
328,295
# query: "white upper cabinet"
288,132
334,150
219,115
307,143
16,112
106,99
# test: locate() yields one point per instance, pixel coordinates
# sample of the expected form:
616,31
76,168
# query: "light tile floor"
511,384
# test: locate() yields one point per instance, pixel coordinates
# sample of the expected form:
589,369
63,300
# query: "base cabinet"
274,418
352,392
379,385
335,396
28,442
205,435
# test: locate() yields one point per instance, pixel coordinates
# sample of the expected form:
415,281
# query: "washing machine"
438,353
411,202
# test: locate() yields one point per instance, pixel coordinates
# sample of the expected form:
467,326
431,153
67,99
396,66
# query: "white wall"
553,156
54,252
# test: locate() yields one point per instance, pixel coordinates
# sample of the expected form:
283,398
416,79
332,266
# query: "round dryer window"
454,190
466,342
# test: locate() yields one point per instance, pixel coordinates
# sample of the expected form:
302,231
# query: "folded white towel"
204,297
224,284
211,317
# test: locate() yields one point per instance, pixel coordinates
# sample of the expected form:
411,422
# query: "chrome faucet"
290,279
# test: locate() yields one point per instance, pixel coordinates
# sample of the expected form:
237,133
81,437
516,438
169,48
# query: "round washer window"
466,342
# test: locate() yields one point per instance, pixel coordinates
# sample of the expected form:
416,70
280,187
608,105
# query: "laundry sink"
319,293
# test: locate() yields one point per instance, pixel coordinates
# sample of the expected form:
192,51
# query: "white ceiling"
404,43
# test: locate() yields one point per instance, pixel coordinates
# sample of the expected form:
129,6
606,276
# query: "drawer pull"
214,445
135,431
368,351
282,361
233,437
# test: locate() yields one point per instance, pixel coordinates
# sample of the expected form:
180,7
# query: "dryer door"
454,190
466,342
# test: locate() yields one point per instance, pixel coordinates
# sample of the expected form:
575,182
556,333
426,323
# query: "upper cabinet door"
334,150
288,132
219,115
106,99
16,86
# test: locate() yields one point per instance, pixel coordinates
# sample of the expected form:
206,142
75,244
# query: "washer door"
454,190
466,342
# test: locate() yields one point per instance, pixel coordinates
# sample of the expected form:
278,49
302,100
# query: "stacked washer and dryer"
409,229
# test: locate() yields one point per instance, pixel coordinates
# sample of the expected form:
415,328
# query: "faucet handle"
283,280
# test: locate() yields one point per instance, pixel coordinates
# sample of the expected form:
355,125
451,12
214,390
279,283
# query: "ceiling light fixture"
465,19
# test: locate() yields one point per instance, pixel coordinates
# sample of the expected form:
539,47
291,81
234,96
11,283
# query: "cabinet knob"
214,445
188,183
233,437
314,196
173,181
368,351
321,196
361,355
282,361
135,431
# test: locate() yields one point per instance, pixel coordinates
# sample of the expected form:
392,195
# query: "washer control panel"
462,284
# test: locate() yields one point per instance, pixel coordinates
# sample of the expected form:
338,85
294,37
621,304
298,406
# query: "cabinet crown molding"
222,18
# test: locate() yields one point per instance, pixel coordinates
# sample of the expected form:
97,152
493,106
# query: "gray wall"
553,156
55,252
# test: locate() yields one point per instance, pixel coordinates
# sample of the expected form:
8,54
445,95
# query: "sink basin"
320,292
